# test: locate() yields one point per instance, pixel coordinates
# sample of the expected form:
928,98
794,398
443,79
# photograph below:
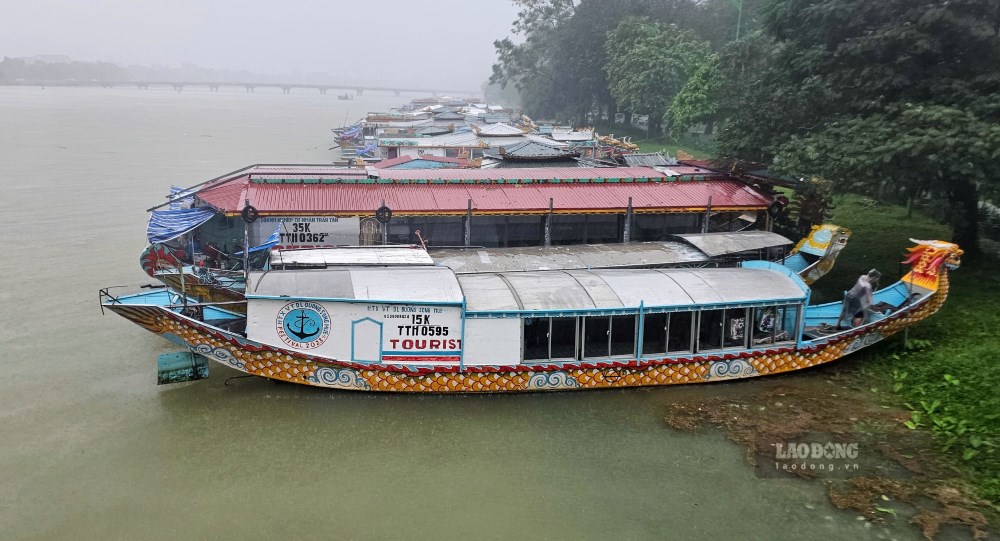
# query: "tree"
698,99
560,66
890,95
558,69
649,63
946,151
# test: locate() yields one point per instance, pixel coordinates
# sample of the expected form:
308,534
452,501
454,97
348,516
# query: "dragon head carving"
927,258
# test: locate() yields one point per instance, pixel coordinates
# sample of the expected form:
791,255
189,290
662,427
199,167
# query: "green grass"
947,371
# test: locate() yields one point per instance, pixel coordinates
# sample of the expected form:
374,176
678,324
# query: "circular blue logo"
304,325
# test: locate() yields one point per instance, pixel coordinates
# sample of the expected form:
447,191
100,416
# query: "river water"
92,448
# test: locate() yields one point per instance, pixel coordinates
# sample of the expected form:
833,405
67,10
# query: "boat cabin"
425,315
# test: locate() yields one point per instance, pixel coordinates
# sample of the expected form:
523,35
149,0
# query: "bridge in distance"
249,87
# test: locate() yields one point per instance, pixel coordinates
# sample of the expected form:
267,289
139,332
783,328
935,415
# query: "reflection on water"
92,448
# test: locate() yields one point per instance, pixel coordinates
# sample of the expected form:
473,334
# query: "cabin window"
683,223
734,328
502,231
549,338
648,227
774,324
654,334
710,329
596,336
524,231
488,231
442,231
679,326
536,339
586,228
622,335
786,321
563,342
603,228
762,331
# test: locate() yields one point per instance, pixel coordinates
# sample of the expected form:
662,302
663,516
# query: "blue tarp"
165,225
180,198
370,147
271,241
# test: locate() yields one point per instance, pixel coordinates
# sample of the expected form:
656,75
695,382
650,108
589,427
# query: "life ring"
775,208
249,214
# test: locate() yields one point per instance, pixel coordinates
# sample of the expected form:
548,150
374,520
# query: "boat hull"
251,357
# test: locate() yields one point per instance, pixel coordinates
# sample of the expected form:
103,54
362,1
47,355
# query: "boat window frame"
548,339
664,334
692,331
576,337
697,335
611,335
725,319
779,322
582,351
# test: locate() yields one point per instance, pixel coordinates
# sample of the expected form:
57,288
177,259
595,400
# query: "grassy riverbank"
947,370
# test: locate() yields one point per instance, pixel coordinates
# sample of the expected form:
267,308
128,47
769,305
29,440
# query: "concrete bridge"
286,88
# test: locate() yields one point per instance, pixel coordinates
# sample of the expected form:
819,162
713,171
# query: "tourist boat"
414,327
811,258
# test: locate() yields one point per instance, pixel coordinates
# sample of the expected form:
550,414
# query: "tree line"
896,99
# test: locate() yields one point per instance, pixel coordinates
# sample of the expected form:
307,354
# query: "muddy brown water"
91,448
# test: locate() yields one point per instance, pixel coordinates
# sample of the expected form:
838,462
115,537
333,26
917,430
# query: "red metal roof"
533,173
363,199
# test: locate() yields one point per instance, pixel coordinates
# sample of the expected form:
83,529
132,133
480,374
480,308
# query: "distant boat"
405,325
347,96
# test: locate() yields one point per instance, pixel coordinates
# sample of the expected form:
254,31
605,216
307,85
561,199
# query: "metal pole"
385,228
184,297
548,225
246,248
468,225
708,216
626,234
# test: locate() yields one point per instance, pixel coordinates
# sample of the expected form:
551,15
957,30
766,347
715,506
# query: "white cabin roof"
578,256
535,290
351,256
409,284
624,288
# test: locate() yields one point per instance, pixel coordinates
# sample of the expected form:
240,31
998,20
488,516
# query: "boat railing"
176,301
899,298
104,294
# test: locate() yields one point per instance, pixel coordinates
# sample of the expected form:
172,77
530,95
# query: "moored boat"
686,250
420,328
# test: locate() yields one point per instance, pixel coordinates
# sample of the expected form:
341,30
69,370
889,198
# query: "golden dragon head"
927,258
823,239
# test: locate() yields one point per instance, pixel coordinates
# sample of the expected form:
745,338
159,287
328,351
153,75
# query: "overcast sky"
382,41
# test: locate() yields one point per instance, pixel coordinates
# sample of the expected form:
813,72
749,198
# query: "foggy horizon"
449,43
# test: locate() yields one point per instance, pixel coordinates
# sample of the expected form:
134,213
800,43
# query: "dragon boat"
811,258
423,328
